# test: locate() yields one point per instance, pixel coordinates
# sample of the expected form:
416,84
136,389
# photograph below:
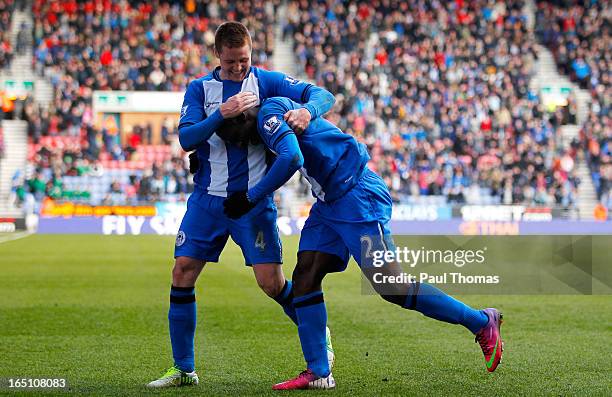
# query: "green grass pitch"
93,309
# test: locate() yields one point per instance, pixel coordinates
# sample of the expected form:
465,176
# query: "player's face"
235,62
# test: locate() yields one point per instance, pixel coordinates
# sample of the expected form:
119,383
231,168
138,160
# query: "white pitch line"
13,237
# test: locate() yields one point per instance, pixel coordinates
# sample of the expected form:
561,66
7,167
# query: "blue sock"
285,299
312,320
182,319
432,302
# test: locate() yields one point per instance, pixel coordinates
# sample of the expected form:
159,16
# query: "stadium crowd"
6,49
60,171
131,45
137,45
439,92
111,172
578,33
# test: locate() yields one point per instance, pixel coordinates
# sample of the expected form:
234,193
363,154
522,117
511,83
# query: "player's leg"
319,254
311,268
201,237
363,237
321,251
271,280
310,308
422,297
257,235
182,324
182,312
270,277
431,301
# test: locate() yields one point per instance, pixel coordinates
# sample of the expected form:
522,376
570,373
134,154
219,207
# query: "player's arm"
289,159
280,138
316,100
194,127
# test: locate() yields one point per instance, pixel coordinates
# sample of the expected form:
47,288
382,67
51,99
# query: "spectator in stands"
115,195
6,50
22,39
8,106
37,186
600,213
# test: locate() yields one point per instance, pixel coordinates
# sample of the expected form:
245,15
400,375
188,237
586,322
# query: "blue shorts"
205,229
355,224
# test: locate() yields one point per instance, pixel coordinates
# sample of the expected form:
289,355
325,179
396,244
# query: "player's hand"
298,119
194,162
238,103
237,204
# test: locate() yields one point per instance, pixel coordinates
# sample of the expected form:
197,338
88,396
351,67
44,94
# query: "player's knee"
270,278
305,280
272,287
186,270
394,293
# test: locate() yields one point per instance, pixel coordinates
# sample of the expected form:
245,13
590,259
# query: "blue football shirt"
333,160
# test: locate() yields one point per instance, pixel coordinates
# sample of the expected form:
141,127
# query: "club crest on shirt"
180,238
184,111
291,80
271,125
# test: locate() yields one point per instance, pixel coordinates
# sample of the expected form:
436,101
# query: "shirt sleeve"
316,100
194,127
279,137
271,125
289,159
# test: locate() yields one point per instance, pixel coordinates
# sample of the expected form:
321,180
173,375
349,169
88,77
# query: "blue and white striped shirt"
226,168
